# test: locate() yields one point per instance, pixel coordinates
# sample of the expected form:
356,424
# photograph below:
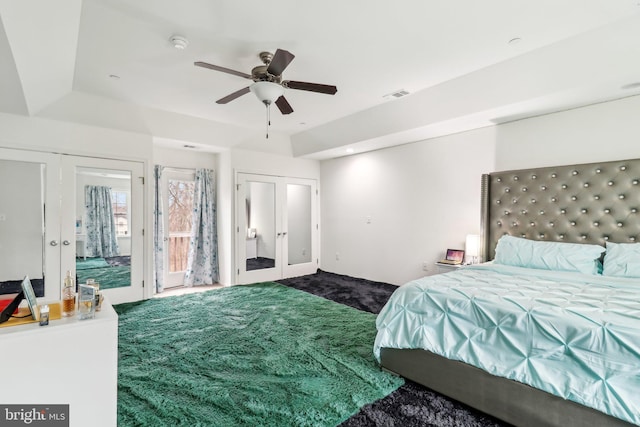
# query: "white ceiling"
454,57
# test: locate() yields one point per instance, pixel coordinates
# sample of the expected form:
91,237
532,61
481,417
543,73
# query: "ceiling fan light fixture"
267,92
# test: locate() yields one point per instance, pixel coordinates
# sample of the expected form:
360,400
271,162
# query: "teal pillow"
622,260
557,256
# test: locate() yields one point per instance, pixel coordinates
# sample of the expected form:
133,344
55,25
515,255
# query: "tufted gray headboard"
587,203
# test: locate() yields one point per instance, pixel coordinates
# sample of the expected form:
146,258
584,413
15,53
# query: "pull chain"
268,105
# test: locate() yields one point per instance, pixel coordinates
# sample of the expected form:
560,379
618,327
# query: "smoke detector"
179,42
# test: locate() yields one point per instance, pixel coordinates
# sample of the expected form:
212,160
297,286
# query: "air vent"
397,94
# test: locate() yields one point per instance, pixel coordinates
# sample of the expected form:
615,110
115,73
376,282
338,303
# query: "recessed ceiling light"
515,40
635,85
179,42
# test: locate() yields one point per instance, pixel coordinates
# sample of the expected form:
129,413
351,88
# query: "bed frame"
586,203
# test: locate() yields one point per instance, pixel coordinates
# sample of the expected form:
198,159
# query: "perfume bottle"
68,297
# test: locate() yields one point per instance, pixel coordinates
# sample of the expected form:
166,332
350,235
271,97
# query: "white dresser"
69,361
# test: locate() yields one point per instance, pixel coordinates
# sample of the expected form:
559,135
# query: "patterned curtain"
101,238
202,264
158,231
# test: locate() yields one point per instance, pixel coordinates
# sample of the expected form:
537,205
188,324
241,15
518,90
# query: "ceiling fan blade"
283,105
281,59
233,96
311,87
223,69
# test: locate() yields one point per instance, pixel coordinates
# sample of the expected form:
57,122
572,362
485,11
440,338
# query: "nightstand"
446,268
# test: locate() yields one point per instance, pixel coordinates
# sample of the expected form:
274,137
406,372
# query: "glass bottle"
68,297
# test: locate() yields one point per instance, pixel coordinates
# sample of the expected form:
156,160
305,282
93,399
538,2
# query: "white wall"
601,132
425,197
421,199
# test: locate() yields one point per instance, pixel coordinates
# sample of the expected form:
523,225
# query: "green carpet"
255,355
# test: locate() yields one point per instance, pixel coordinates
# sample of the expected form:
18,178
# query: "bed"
539,336
109,272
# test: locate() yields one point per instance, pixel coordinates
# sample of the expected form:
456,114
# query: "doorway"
178,188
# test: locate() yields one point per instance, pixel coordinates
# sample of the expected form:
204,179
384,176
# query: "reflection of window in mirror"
120,203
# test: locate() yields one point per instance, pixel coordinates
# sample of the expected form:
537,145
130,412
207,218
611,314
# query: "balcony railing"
178,253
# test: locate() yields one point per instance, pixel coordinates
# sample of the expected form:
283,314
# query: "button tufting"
621,196
524,190
610,183
544,187
632,238
553,199
563,211
583,211
551,224
541,212
498,202
499,223
541,236
596,197
533,200
561,236
598,170
532,223
605,237
533,177
623,168
619,224
553,175
515,178
634,210
573,223
584,236
607,211
574,173
635,182
574,198
564,186
506,190
596,224
499,179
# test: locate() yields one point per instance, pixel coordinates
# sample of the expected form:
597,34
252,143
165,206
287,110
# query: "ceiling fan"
268,85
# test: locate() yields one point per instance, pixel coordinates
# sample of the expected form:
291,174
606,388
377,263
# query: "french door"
119,272
277,228
178,187
43,222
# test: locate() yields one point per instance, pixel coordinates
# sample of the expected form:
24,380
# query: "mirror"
21,225
299,223
260,202
103,233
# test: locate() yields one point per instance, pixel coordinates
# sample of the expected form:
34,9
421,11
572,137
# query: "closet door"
300,227
258,230
276,229
102,224
29,222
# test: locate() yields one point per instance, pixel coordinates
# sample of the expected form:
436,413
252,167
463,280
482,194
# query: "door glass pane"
260,203
103,227
180,222
299,223
21,225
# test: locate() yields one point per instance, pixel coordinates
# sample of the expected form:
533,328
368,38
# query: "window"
119,201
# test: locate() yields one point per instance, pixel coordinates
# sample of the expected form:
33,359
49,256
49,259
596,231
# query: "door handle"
53,243
66,242
284,234
279,234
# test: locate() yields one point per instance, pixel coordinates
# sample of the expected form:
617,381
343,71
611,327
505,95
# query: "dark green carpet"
256,355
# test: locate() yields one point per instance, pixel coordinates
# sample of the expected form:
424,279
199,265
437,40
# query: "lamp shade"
472,247
267,92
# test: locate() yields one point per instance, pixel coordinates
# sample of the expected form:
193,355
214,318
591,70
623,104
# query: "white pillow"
622,260
555,256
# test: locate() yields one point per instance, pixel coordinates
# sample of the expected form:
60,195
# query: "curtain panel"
202,264
158,230
101,238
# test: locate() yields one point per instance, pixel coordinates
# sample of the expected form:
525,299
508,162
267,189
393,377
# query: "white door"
30,220
120,272
178,192
276,227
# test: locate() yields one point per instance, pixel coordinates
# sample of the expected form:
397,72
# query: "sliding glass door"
276,227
